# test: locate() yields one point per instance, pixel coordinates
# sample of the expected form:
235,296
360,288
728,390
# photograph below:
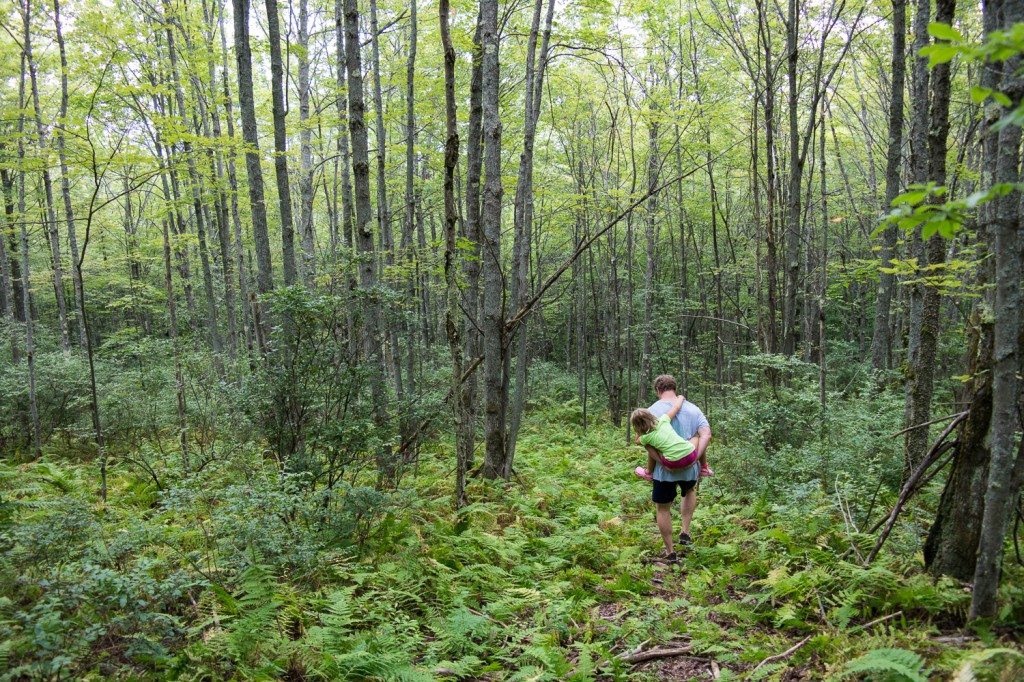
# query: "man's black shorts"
664,492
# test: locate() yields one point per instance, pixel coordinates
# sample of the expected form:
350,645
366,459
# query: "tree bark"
65,181
472,300
925,325
881,345
952,544
50,216
305,152
495,385
26,271
236,222
250,135
1005,467
284,194
452,314
523,217
198,213
372,332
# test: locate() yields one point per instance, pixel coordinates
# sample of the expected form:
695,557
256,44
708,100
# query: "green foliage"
895,665
246,571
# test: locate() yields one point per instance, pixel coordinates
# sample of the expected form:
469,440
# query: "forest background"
320,322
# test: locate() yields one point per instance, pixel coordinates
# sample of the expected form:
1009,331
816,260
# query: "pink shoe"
706,472
642,473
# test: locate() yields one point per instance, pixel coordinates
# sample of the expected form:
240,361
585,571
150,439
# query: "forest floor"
772,588
235,573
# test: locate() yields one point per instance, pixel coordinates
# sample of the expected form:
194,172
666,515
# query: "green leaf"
980,94
913,197
940,53
942,31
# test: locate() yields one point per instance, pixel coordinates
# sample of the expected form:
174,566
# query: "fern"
897,665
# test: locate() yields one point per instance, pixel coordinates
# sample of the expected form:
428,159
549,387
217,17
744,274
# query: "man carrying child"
688,422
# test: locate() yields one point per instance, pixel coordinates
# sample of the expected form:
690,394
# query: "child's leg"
695,441
705,470
651,459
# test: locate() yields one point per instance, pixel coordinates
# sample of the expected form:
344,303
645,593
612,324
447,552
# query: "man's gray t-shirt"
685,423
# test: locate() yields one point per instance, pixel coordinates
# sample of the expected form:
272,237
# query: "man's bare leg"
686,508
664,518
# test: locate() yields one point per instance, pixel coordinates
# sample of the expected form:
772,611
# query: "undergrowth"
242,571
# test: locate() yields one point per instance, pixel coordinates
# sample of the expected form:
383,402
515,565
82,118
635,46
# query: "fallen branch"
778,657
876,621
654,654
937,450
934,421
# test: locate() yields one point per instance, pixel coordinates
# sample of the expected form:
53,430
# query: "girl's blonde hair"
643,421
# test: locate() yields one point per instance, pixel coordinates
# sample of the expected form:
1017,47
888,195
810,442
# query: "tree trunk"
372,332
409,223
65,181
383,210
925,327
305,151
236,222
210,111
881,350
523,218
789,308
198,213
7,306
452,314
284,194
17,298
952,544
50,217
495,385
250,136
26,271
1005,467
473,297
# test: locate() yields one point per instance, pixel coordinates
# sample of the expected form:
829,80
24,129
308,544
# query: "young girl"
658,436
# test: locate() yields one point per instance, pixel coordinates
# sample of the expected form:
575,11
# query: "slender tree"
250,135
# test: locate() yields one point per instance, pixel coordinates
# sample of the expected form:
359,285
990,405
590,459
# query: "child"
658,436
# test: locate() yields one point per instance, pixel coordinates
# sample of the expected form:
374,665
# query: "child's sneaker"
706,471
642,473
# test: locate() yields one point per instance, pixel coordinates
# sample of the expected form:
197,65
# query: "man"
689,421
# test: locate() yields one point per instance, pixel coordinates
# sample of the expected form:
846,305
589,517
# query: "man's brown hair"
643,421
664,382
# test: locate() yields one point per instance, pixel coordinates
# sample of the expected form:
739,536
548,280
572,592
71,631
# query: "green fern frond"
891,664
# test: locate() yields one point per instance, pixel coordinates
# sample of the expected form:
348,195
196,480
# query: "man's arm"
703,440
